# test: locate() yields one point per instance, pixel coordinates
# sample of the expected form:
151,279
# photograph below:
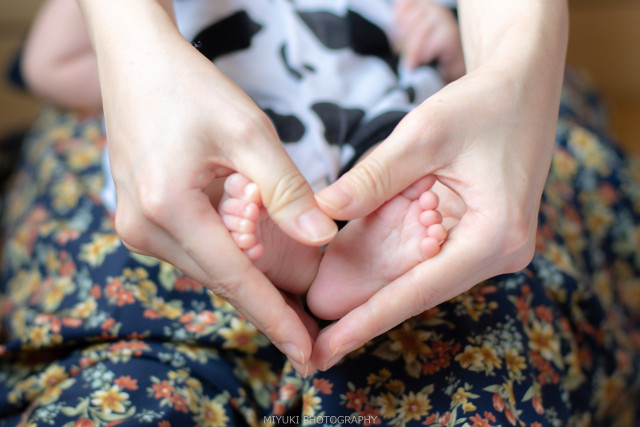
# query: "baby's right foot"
289,264
371,252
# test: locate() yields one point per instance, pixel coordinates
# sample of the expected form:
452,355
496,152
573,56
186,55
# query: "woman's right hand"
176,125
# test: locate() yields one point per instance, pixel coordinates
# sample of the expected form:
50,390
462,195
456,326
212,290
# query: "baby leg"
371,252
289,264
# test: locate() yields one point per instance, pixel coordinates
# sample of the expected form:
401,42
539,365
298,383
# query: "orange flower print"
536,401
510,417
288,391
356,399
498,402
322,385
164,390
127,383
207,317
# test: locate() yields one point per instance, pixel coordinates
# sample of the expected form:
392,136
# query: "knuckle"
375,176
252,128
290,187
152,202
228,284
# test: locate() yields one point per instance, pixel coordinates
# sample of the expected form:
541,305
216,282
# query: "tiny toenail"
250,189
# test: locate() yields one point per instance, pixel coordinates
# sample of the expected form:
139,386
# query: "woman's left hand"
488,138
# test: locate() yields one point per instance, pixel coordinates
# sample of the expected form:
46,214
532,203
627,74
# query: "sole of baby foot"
373,251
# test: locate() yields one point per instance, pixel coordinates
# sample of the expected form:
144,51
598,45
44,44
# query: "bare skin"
367,253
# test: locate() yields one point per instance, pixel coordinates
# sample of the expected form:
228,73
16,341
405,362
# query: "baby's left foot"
289,264
371,252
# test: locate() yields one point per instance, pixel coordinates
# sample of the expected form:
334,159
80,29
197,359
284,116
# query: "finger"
417,48
392,167
234,278
402,10
419,189
427,285
287,196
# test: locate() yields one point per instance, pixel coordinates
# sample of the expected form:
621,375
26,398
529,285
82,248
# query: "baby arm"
58,62
428,31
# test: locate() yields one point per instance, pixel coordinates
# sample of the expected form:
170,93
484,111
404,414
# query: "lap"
528,346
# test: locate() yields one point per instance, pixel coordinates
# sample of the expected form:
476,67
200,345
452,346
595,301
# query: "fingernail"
293,353
316,226
331,362
347,347
335,198
302,369
340,352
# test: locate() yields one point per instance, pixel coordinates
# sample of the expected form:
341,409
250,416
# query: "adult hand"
176,125
488,139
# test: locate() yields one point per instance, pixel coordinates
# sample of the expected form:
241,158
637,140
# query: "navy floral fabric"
93,335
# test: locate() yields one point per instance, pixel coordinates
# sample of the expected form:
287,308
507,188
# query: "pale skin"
487,138
428,31
167,190
58,62
367,253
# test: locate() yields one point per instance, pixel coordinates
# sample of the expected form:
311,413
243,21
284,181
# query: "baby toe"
437,232
429,247
428,200
245,241
240,187
430,217
255,252
238,224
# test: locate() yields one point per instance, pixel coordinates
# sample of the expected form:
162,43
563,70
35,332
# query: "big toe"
239,187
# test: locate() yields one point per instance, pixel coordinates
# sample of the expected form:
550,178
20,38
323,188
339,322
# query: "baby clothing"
324,72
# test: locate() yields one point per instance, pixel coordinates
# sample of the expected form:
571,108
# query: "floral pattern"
93,335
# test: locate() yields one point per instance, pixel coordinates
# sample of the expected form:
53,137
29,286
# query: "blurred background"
604,39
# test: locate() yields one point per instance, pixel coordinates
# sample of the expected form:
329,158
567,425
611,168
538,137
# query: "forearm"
129,38
119,20
523,44
529,33
522,41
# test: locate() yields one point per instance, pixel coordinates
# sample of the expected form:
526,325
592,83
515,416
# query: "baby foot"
289,264
370,252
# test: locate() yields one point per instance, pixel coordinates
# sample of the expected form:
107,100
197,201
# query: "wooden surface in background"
16,108
605,39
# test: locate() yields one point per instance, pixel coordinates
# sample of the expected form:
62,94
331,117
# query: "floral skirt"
92,334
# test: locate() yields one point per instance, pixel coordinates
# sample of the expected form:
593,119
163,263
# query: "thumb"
393,166
287,196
